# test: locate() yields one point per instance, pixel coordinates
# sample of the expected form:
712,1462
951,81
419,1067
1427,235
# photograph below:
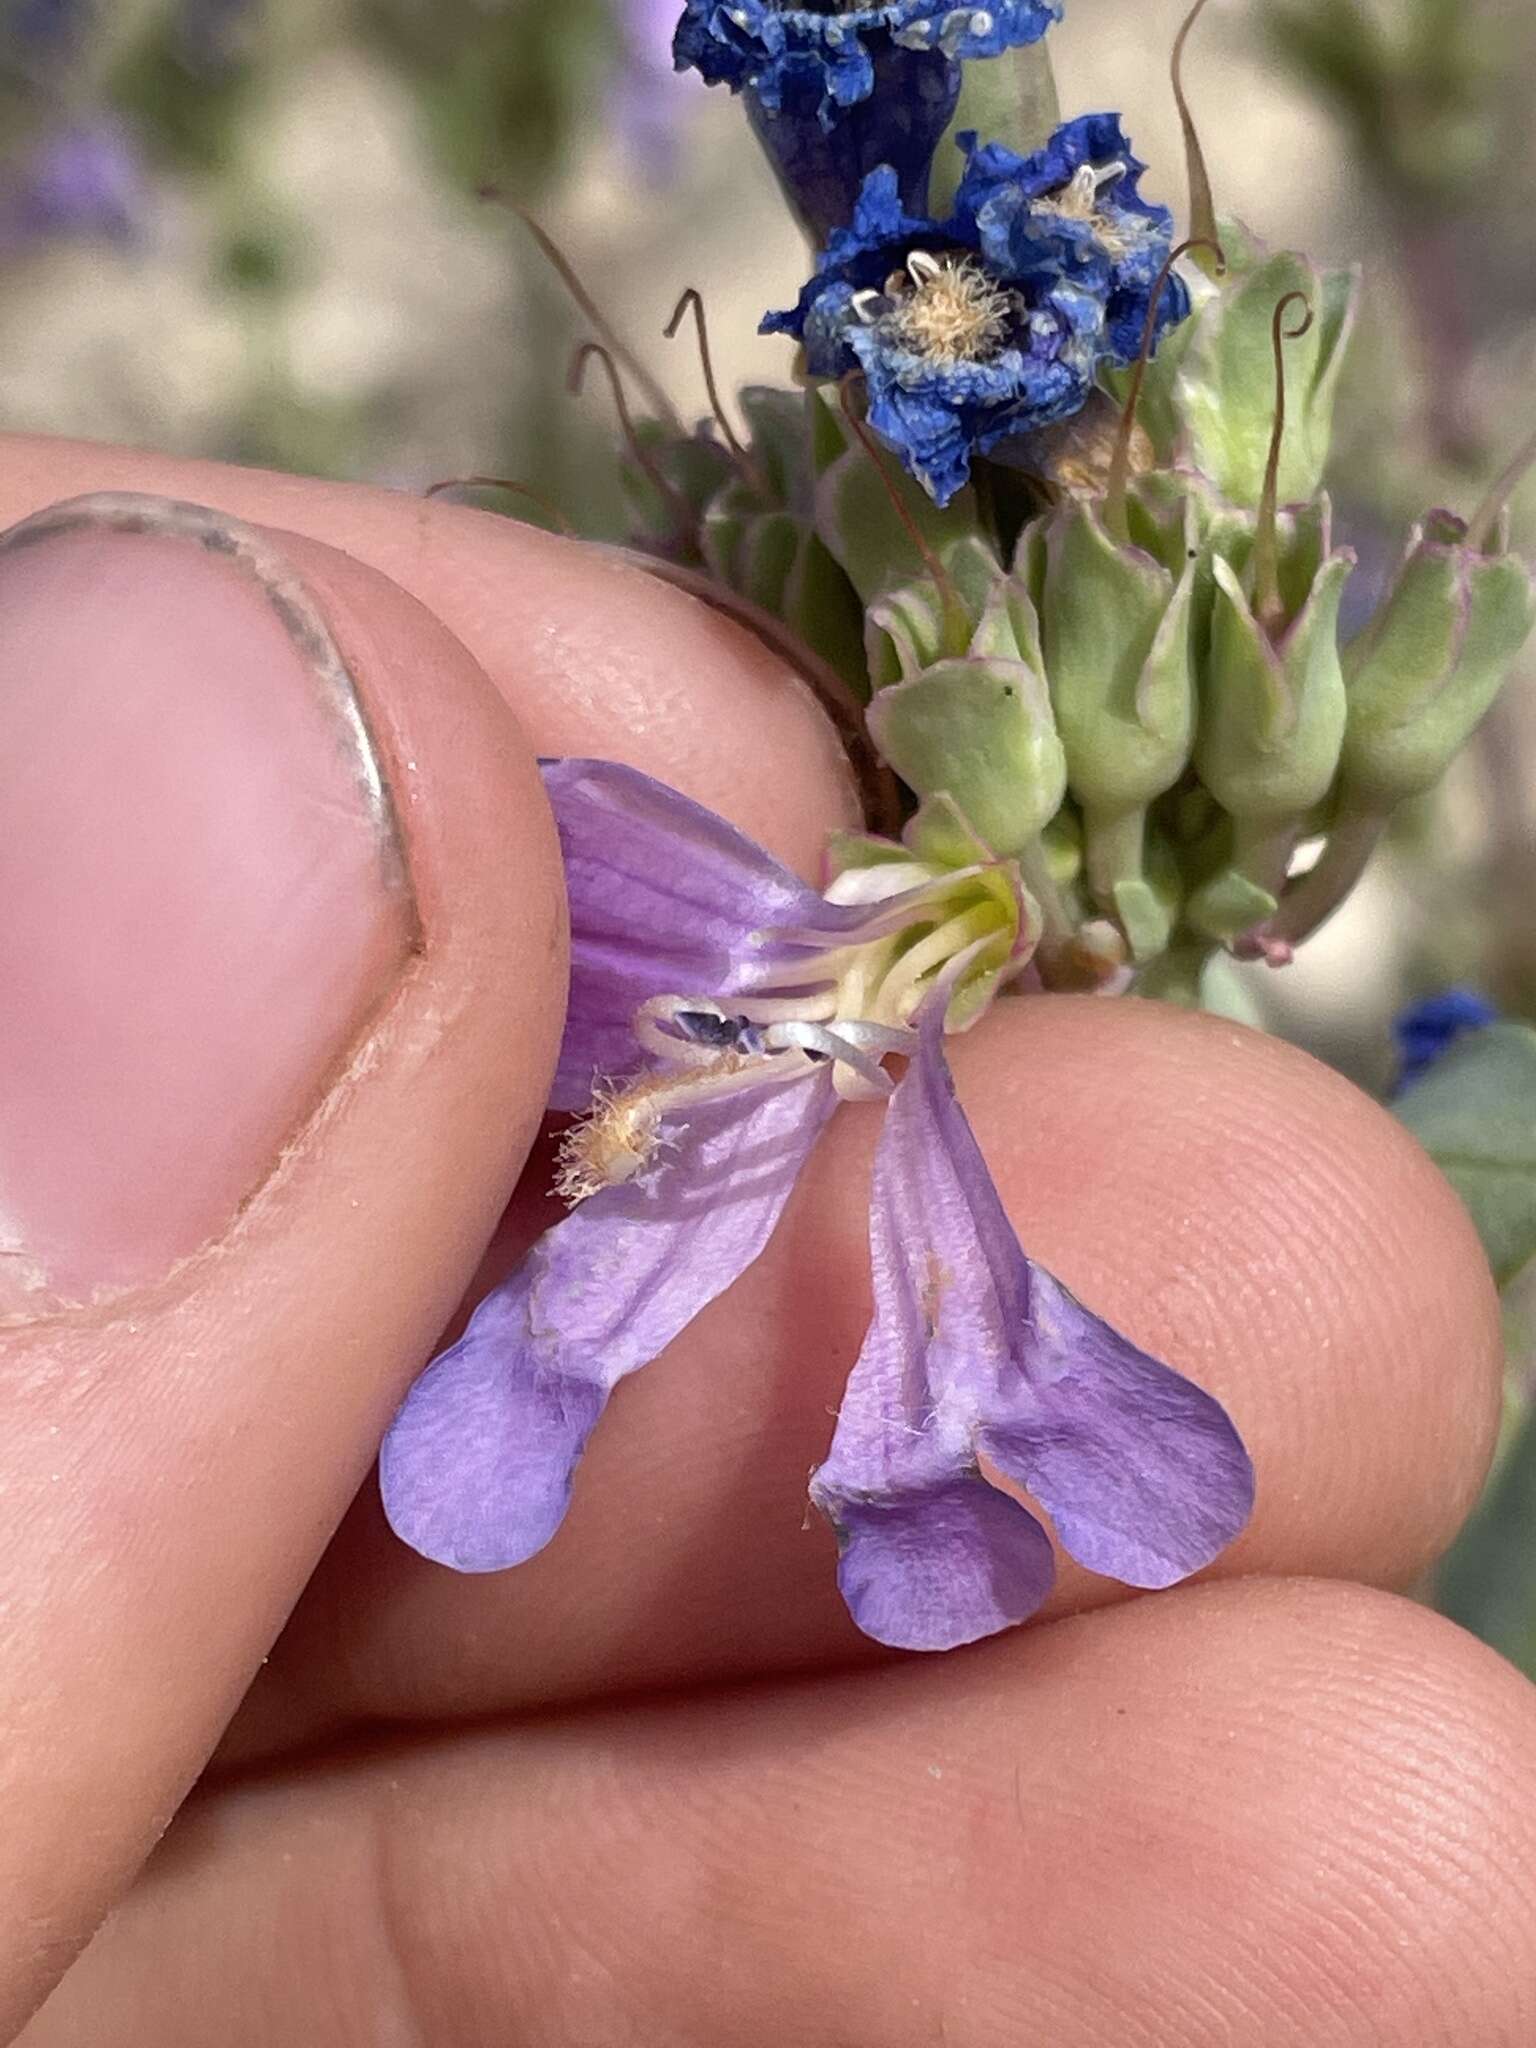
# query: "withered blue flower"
984,327
835,91
720,1009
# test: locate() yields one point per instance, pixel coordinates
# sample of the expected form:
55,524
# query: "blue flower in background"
83,179
1426,1030
991,324
835,92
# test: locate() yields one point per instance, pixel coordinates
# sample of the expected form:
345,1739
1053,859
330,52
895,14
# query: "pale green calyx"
1116,626
977,727
1427,669
1272,713
1209,403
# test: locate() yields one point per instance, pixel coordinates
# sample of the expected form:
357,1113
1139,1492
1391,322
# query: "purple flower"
83,179
719,1011
976,1353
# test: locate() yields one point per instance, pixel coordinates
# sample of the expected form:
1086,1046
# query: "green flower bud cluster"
1128,677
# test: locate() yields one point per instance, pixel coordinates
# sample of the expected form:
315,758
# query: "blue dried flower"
993,323
834,92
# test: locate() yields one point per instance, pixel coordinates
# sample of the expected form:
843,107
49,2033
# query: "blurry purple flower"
650,99
83,179
47,28
728,1008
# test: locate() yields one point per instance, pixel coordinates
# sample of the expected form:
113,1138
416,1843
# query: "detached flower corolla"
719,1011
991,324
834,91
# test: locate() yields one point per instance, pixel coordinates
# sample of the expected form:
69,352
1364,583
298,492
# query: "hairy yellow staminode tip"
955,315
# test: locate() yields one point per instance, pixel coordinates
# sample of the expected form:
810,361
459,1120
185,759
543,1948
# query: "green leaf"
1475,1114
1488,1582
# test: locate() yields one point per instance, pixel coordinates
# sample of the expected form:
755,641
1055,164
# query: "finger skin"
594,655
1232,1205
172,1463
1265,1815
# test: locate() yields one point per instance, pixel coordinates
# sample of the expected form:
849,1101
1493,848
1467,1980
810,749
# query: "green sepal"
980,730
1272,708
1228,906
860,524
1115,634
1010,99
911,626
940,832
1428,667
1475,1115
695,466
1212,406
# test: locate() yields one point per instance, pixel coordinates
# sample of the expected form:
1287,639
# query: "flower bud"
1431,662
1210,398
1115,621
1272,711
1420,678
977,727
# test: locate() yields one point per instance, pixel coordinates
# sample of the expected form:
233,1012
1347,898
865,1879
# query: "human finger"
1232,1205
286,955
1262,1815
595,655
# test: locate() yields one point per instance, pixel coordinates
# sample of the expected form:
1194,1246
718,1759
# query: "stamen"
1269,604
621,1134
547,506
941,945
957,314
817,1039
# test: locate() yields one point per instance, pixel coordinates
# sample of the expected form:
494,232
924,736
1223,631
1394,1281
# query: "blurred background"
249,229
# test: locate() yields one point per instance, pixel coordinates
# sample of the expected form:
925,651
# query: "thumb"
285,971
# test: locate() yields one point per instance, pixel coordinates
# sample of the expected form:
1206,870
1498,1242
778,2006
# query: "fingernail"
203,893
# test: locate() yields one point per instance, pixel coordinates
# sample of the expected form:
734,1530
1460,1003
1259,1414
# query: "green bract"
1432,661
1116,624
977,727
1210,400
1272,711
